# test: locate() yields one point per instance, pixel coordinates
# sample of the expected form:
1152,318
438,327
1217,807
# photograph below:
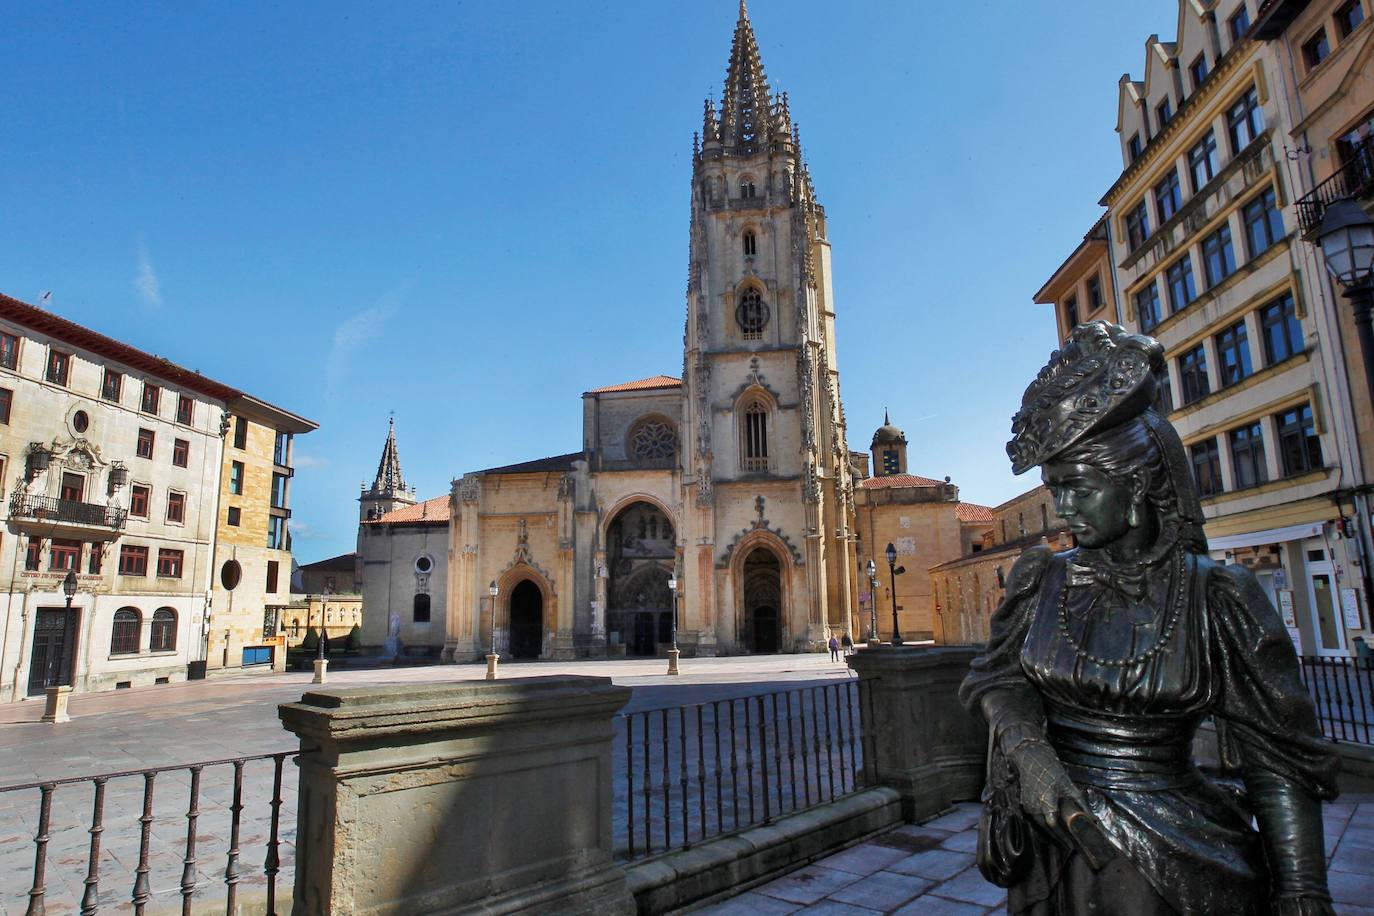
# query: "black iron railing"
1343,690
214,796
689,773
52,509
1354,179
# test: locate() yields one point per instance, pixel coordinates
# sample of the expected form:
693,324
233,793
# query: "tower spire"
389,479
746,108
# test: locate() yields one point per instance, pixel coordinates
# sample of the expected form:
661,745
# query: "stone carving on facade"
805,379
811,484
468,488
653,439
567,486
759,524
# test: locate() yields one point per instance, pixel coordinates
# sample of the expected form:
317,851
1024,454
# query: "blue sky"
470,213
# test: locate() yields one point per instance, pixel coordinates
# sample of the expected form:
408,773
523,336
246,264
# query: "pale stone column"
920,739
491,796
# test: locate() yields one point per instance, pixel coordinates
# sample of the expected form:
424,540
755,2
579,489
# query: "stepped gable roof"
430,512
644,384
972,512
899,480
539,465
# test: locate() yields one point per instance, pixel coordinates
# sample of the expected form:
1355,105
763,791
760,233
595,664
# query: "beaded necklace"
1179,583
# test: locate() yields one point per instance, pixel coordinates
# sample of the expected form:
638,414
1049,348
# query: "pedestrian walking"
847,643
834,649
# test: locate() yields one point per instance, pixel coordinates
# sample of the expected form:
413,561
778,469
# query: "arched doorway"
762,602
641,547
526,621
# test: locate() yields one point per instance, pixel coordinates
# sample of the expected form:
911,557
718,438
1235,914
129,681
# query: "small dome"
888,434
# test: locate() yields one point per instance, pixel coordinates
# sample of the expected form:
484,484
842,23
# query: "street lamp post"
69,587
321,663
1346,237
55,707
673,652
872,603
492,658
895,571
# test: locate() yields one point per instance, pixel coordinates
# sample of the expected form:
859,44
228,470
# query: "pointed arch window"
752,314
747,190
755,436
751,243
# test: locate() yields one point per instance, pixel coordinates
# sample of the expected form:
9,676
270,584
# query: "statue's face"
1092,504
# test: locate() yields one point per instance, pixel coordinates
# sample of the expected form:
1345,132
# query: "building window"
97,554
1137,226
81,421
236,478
233,516
185,409
1094,294
1071,312
278,494
1197,71
1299,446
1206,467
1179,277
164,631
64,555
756,437
1134,147
276,533
421,613
6,404
1164,394
169,563
1244,121
1348,15
124,633
1192,374
281,449
1247,455
144,449
892,463
138,500
1263,222
181,452
1218,256
1202,161
746,188
240,433
752,314
73,487
751,244
1164,112
176,507
1233,354
1168,196
9,350
1316,49
59,366
1239,24
1147,306
652,440
152,397
1281,329
133,561
112,385
273,571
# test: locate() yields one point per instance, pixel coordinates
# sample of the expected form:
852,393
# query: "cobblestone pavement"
233,717
928,870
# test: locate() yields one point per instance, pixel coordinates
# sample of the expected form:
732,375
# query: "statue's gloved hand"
1044,784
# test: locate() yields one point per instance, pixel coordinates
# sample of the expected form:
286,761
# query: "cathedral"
716,509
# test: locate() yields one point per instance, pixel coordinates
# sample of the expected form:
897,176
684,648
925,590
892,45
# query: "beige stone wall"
339,612
391,581
925,534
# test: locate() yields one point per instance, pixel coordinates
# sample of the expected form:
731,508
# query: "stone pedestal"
472,797
673,655
321,671
492,659
922,742
55,707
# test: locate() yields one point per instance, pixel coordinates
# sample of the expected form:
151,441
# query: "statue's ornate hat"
1102,376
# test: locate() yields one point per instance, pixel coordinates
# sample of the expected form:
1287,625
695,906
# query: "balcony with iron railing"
50,509
1354,179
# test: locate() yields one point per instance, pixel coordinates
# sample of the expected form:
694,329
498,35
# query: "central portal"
762,602
640,550
526,621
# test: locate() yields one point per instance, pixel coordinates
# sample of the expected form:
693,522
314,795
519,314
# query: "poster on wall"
1290,621
1350,608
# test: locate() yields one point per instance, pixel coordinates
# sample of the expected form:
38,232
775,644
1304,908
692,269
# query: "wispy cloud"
353,333
309,461
145,280
301,531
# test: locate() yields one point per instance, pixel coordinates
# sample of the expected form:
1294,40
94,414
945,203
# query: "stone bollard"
923,743
321,671
55,707
491,797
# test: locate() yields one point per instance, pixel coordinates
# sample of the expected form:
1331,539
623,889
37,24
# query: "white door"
1328,630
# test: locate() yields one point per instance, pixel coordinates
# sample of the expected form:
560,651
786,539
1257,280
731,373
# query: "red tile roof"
972,512
644,384
430,512
899,480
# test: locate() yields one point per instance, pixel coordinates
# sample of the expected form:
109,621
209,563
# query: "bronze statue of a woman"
1104,660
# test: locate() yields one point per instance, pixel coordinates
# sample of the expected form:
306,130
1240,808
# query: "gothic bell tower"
388,490
766,487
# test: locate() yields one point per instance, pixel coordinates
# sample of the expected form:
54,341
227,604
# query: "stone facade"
339,612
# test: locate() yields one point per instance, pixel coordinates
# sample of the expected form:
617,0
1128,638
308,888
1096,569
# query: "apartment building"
1082,288
252,584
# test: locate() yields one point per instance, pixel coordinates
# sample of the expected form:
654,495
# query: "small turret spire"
389,479
746,108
